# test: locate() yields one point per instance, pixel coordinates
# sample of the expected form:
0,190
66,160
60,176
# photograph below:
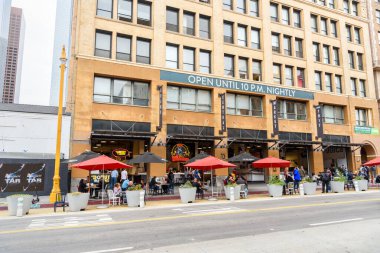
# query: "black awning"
250,140
121,135
303,143
194,137
334,144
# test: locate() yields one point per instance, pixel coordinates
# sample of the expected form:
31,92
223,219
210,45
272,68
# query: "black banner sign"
318,113
275,118
223,113
160,108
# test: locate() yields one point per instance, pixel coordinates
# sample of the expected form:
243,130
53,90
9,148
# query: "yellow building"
149,75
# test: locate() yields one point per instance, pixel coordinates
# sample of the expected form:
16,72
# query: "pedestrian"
114,176
373,173
171,179
302,172
326,178
297,178
124,175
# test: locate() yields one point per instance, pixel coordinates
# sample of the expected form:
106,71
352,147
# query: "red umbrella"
271,162
373,162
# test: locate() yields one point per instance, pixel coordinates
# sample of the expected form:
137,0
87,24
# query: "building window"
103,44
255,38
354,91
323,26
254,8
285,15
333,114
204,27
276,42
316,54
277,73
357,35
328,85
229,65
188,23
143,51
172,56
144,13
118,91
362,89
104,8
318,80
351,59
256,70
314,23
244,105
228,32
360,61
240,6
243,68
172,20
125,10
242,36
332,4
338,84
334,31
348,31
378,16
287,41
299,48
123,47
274,12
289,76
188,59
355,8
297,18
361,117
326,54
336,56
204,62
227,4
346,6
288,109
188,99
300,78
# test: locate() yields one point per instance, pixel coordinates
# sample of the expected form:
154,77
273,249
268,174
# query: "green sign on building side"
366,130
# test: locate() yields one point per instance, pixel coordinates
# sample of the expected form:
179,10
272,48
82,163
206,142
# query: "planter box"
227,191
77,202
363,184
12,204
337,186
275,190
133,198
187,194
309,188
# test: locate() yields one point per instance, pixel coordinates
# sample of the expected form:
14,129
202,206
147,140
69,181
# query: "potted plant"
12,201
362,183
133,195
187,192
309,186
275,186
77,201
338,184
236,190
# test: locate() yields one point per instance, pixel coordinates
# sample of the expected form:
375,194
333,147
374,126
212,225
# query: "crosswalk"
69,221
192,211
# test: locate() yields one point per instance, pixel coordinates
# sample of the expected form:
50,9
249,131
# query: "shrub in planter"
133,195
275,186
13,200
338,184
236,190
309,186
77,201
362,183
187,192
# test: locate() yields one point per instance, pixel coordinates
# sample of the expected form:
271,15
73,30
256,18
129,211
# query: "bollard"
142,201
232,193
356,185
302,192
20,205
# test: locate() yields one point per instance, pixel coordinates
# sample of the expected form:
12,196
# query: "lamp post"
56,179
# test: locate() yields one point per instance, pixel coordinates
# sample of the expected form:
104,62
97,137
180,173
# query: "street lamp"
56,179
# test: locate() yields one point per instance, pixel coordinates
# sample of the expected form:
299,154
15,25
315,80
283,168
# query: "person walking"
297,178
326,178
114,176
373,173
124,176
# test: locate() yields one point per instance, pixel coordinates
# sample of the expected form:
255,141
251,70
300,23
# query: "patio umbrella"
243,157
147,157
373,162
199,156
210,163
101,163
270,162
86,155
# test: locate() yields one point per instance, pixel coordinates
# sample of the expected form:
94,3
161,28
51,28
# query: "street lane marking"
218,210
334,222
174,217
108,250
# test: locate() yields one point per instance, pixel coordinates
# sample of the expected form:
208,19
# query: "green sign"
366,130
234,85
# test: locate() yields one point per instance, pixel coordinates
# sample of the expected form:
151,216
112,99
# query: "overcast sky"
38,50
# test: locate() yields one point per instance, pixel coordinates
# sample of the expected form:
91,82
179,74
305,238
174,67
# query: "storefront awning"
249,140
193,137
122,135
303,143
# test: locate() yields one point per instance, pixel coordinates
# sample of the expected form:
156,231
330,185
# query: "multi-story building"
5,13
177,77
15,49
62,35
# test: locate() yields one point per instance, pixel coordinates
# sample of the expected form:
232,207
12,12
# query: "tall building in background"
5,13
62,36
15,50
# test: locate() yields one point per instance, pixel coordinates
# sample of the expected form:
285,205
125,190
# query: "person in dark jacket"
82,186
326,178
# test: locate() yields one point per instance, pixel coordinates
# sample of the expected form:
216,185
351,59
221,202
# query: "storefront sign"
96,177
275,118
366,130
160,108
180,153
223,113
318,113
234,85
120,154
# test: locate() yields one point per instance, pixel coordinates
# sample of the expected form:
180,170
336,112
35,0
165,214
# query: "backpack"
326,177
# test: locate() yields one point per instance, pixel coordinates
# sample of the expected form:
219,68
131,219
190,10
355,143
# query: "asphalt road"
336,223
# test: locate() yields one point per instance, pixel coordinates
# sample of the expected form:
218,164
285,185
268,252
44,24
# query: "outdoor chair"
60,201
289,188
112,198
124,198
243,191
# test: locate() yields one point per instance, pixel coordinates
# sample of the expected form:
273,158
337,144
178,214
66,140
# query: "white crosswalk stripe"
69,221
